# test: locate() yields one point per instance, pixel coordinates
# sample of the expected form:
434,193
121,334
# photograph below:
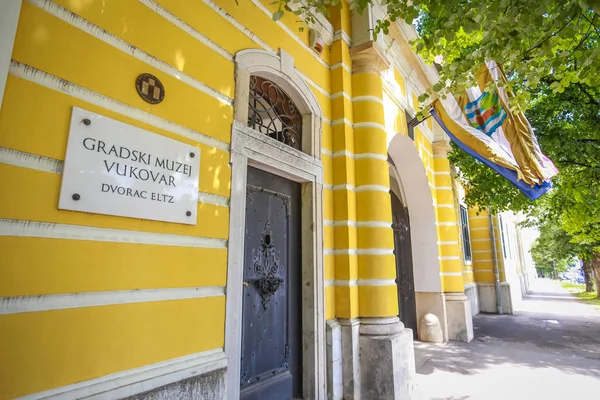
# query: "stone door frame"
251,148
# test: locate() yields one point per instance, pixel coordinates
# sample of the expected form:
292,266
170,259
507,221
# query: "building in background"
259,219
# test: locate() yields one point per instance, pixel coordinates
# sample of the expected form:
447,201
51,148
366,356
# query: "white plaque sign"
117,169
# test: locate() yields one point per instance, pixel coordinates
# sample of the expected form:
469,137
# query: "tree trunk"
588,276
595,263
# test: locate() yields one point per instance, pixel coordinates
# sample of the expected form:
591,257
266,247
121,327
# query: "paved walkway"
550,349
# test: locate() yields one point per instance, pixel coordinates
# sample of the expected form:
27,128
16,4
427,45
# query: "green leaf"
277,15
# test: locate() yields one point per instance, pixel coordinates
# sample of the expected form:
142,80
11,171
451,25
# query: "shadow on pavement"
552,331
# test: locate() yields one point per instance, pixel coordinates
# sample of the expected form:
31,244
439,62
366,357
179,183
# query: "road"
550,349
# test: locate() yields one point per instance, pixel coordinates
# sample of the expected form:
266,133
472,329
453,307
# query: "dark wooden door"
404,264
272,319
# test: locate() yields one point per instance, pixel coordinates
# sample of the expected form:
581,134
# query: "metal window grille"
273,113
464,222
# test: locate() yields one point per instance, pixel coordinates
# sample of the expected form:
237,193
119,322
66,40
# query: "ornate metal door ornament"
266,265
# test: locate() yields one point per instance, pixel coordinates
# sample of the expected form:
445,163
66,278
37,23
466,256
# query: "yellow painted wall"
101,49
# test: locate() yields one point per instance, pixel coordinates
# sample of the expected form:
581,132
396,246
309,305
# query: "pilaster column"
483,257
343,372
377,289
386,356
448,229
460,322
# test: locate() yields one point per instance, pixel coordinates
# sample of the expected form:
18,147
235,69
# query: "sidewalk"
549,350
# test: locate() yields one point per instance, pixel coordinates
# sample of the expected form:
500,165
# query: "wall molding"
359,252
138,380
358,224
20,228
48,302
187,28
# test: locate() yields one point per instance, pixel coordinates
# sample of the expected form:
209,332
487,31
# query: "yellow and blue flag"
482,125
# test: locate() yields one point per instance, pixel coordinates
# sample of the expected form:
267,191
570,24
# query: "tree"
536,41
568,129
555,247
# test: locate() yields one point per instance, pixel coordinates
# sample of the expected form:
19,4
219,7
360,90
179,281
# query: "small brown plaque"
150,88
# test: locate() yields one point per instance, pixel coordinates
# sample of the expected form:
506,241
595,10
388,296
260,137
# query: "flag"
485,129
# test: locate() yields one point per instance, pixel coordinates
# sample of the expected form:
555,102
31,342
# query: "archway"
408,181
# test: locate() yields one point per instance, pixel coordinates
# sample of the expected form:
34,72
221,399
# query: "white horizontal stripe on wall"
118,43
214,199
337,35
239,26
341,121
358,224
52,82
443,188
291,34
31,161
486,260
374,156
46,164
23,304
426,150
138,380
481,251
447,243
442,173
340,65
11,227
369,125
313,84
446,224
445,206
178,22
344,186
449,258
360,252
375,99
487,228
376,282
340,94
346,153
451,273
372,188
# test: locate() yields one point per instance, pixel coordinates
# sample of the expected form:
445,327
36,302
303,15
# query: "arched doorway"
409,183
274,321
404,264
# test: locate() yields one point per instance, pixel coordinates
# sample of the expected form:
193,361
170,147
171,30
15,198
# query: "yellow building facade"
107,306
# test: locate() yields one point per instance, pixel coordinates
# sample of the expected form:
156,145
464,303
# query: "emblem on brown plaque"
150,88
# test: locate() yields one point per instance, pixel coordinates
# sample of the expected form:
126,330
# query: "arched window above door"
273,99
273,113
